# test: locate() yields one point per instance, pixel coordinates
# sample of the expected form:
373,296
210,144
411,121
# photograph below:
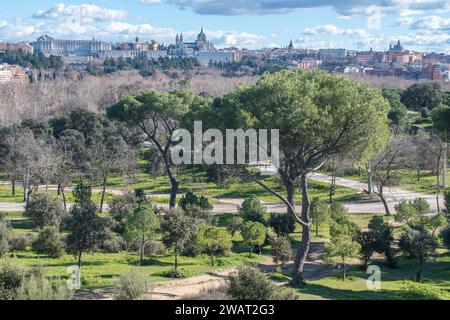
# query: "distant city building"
309,63
12,73
398,54
190,48
25,47
332,54
115,54
50,46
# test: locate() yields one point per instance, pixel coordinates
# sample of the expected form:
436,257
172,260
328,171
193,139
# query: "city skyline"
421,25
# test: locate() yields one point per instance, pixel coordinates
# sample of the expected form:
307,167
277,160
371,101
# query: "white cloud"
149,1
432,23
330,29
83,12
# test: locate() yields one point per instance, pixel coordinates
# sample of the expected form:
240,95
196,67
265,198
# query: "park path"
365,205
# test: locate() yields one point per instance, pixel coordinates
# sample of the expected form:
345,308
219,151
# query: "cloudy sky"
353,24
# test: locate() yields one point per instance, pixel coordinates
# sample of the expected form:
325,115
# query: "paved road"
393,196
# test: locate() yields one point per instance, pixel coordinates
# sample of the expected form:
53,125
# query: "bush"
21,242
44,210
113,244
281,251
5,237
11,275
445,236
35,286
248,283
131,286
282,223
235,225
49,242
254,235
253,211
215,293
154,247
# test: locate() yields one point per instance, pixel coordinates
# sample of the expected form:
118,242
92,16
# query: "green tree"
158,116
44,210
194,206
254,235
318,115
282,223
342,247
141,227
49,242
235,225
85,228
177,229
415,214
320,213
398,112
420,245
214,239
253,211
422,96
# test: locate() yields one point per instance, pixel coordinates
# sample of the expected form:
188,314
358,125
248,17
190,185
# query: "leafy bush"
281,251
44,210
254,235
154,247
445,236
282,223
248,283
5,237
131,286
20,242
49,242
235,225
253,211
11,275
215,293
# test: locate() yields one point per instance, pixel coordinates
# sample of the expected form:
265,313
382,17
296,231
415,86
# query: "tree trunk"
212,259
13,188
419,273
444,176
64,198
79,259
302,253
103,193
344,269
173,192
142,252
317,230
369,179
176,260
290,190
385,204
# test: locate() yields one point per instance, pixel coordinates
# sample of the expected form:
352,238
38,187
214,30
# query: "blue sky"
353,24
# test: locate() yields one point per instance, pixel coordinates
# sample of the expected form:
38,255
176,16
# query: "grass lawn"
409,180
395,283
99,269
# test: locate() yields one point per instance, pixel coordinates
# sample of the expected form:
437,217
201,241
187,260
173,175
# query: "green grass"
395,283
423,182
100,269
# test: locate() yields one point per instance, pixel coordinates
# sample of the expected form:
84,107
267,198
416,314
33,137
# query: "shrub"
44,210
154,247
253,211
35,286
5,237
11,275
248,283
215,293
49,242
445,236
235,225
281,251
21,242
254,235
282,223
131,286
113,244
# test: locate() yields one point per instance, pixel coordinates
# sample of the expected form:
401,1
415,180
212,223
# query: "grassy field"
425,182
160,188
395,283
